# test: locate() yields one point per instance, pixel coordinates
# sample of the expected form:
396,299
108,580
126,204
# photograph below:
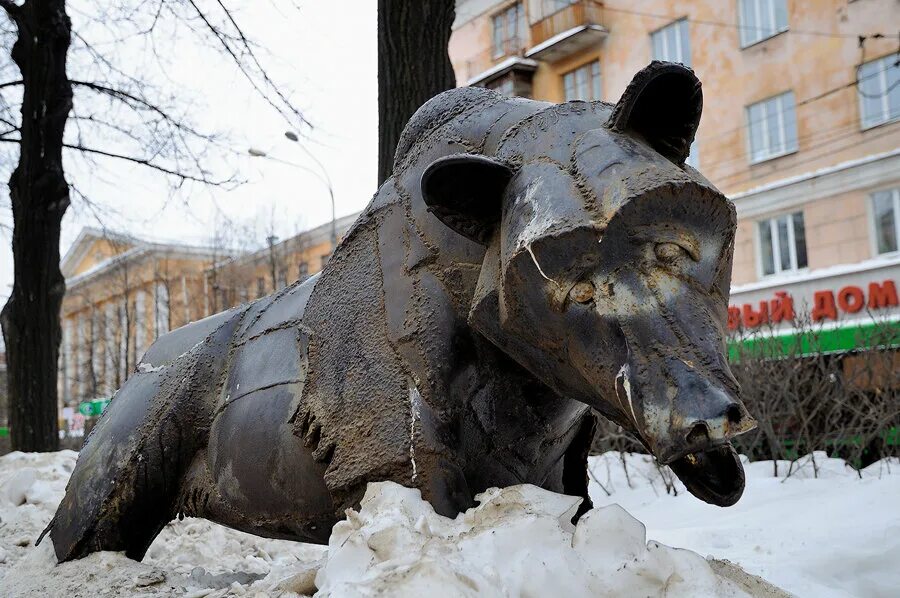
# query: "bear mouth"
715,475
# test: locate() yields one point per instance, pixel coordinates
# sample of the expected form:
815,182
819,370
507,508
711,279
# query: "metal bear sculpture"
525,262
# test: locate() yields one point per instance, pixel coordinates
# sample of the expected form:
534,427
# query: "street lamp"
322,177
293,137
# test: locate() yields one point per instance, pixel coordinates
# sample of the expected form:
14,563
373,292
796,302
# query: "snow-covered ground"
837,535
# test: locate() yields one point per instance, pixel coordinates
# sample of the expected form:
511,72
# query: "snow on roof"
509,63
87,237
814,174
886,261
313,236
561,37
139,248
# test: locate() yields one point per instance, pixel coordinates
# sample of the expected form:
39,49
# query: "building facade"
248,276
800,127
123,292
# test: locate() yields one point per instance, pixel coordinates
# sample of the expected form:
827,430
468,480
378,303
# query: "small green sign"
92,408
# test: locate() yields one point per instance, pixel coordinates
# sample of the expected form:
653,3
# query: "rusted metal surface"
525,262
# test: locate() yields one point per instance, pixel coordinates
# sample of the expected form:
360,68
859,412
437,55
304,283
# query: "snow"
559,37
820,172
501,66
837,534
518,541
797,276
834,535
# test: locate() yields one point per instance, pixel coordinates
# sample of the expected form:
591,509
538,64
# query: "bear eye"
582,292
669,252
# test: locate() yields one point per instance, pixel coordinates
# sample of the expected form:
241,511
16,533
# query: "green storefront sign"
848,338
92,408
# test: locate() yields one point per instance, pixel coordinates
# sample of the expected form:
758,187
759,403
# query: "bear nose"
704,415
733,420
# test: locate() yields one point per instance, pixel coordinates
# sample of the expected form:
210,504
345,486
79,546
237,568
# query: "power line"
862,61
809,100
851,128
781,110
820,135
739,27
816,157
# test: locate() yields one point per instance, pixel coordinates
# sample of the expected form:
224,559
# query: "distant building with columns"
123,292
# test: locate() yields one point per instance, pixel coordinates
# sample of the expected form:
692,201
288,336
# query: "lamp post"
322,177
293,137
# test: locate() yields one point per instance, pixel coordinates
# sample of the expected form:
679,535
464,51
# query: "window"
504,86
508,28
122,366
139,325
222,294
886,212
67,360
782,244
671,43
161,309
761,19
109,347
879,91
583,83
324,260
260,287
773,127
80,355
303,271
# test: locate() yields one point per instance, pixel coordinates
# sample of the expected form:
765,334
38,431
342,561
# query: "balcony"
565,31
496,62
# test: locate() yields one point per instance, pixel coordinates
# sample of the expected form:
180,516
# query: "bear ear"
662,104
465,191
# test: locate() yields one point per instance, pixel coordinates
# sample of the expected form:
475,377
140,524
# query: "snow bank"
190,556
835,535
518,542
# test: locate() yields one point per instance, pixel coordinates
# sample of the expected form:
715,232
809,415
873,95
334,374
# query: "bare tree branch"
182,176
121,110
128,99
222,38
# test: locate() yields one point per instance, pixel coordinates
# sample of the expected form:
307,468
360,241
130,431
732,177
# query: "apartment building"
122,292
248,276
801,128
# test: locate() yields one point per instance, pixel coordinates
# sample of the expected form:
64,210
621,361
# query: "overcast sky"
326,53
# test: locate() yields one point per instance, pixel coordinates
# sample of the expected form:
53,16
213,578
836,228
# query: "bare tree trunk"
40,196
413,66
